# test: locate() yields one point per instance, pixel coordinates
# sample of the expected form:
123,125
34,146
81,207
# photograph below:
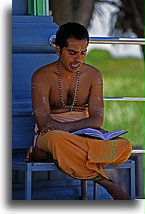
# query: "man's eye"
72,53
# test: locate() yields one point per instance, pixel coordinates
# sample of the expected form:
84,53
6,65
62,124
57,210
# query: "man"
67,95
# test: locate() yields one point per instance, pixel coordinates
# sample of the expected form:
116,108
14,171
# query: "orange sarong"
83,157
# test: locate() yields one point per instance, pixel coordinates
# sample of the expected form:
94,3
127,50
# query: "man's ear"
57,50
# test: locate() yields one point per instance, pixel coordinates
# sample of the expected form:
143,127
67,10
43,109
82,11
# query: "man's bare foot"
34,154
114,190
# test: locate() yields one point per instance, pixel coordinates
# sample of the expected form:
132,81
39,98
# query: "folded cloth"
83,157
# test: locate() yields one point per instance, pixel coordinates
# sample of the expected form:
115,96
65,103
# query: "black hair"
70,29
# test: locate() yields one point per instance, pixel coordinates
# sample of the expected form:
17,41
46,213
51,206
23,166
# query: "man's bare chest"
68,92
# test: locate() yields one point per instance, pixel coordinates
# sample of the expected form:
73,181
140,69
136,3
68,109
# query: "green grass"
123,77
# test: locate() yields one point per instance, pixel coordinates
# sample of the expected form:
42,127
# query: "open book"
95,133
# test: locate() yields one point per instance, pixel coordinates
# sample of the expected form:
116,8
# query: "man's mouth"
75,65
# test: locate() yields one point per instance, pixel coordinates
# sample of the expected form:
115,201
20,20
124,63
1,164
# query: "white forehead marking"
80,45
81,42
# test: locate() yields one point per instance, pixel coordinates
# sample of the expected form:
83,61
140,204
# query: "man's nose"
78,56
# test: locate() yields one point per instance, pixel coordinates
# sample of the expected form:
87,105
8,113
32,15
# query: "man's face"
74,54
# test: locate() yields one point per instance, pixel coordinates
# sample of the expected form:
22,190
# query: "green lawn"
123,77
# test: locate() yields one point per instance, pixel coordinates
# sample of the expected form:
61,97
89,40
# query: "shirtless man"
67,95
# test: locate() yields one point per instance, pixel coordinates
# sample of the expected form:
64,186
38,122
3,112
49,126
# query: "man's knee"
55,135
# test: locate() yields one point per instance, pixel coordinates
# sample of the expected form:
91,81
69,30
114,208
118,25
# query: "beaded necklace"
60,88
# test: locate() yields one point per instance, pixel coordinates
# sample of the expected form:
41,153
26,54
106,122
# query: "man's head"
71,46
68,30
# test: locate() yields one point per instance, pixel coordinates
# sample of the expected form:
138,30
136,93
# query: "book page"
90,132
113,134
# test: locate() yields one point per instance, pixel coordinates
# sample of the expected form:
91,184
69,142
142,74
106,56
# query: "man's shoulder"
44,71
91,70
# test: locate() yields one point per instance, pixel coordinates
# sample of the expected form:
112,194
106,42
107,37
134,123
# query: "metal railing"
117,40
138,151
125,98
108,40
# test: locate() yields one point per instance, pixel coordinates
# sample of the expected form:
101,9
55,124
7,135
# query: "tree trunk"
72,10
134,10
83,13
61,11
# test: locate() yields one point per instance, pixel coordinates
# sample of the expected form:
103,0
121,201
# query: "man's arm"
40,102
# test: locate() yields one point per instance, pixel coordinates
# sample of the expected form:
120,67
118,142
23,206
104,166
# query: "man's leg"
113,189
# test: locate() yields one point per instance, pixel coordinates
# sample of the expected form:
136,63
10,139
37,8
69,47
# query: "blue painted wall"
19,7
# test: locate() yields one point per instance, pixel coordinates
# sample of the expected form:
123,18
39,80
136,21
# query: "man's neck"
64,71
